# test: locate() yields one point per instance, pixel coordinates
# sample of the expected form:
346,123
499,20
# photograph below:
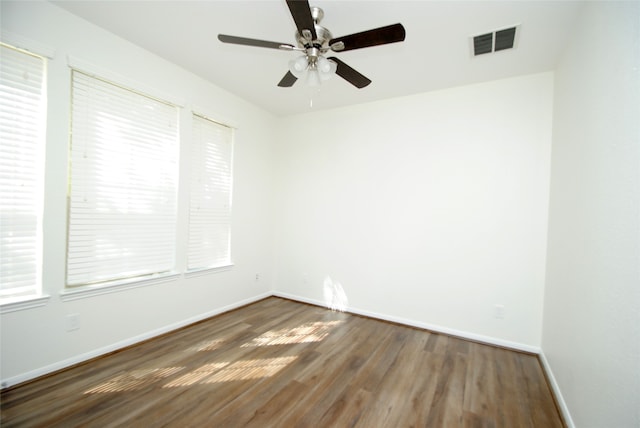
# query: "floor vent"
495,41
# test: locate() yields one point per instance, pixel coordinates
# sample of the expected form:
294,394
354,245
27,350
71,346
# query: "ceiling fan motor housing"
321,42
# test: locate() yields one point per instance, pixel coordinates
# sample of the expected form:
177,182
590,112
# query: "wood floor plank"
447,403
418,396
480,386
508,389
543,407
278,363
327,382
279,403
393,390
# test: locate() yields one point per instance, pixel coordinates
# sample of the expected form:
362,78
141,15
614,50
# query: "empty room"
320,214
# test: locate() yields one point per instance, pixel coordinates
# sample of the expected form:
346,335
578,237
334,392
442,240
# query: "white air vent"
494,41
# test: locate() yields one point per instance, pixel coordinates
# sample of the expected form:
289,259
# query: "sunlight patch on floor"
251,369
196,375
306,333
225,371
134,380
207,345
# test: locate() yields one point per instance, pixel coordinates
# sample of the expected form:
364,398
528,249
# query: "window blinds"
123,183
22,136
210,195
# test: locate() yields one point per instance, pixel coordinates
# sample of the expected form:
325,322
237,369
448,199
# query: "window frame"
32,296
198,152
76,290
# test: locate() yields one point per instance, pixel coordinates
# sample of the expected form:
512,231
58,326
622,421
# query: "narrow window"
22,147
210,200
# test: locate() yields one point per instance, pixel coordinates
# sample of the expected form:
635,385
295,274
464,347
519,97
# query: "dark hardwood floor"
278,363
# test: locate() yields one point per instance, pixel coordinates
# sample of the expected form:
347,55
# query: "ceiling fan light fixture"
323,65
298,66
313,72
326,68
313,77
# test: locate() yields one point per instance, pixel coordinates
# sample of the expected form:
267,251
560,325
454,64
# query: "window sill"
206,271
84,292
24,303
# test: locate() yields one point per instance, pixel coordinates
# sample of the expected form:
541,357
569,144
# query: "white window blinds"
22,137
123,183
210,200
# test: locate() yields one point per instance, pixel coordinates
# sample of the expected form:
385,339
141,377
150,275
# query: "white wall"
591,334
35,341
428,209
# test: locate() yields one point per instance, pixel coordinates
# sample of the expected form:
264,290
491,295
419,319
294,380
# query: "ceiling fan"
314,41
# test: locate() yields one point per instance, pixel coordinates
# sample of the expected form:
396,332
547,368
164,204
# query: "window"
22,143
123,184
210,196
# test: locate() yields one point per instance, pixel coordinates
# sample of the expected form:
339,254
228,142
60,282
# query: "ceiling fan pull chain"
312,93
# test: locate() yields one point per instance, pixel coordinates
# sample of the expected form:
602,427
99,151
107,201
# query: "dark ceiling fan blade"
377,36
288,80
253,42
349,74
301,13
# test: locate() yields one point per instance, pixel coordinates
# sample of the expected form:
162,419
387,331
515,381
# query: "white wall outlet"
257,277
498,311
73,322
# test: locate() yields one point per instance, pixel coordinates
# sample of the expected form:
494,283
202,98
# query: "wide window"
123,184
210,195
22,137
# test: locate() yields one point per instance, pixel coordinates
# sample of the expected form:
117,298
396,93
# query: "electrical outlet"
73,322
257,277
498,311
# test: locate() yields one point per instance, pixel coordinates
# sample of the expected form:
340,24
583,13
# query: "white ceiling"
435,55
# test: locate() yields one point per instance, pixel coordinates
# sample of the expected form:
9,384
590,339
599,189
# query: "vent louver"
483,44
495,41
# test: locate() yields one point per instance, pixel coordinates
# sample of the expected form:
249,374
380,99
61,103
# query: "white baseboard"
556,390
412,323
24,377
